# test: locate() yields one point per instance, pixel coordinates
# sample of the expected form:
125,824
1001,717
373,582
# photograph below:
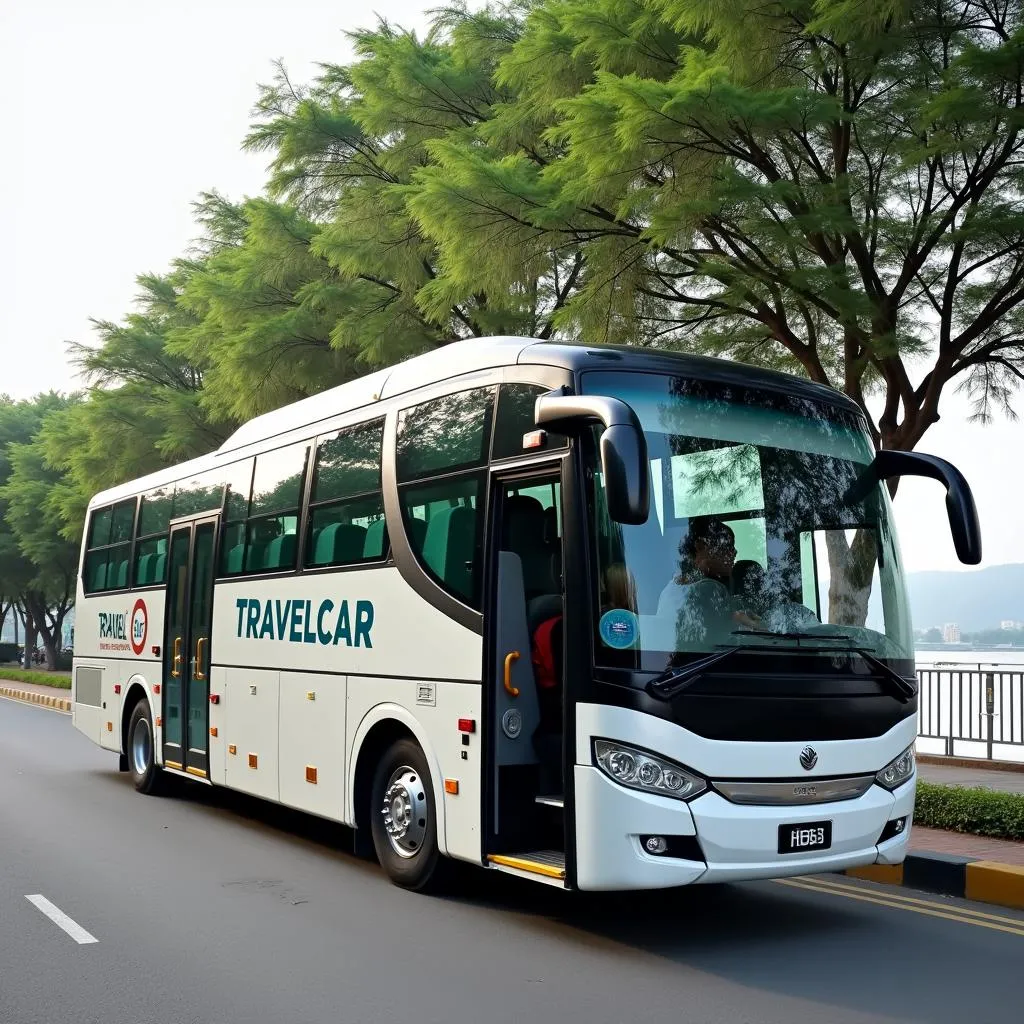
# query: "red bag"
544,654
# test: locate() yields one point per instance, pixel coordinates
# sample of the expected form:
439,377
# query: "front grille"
795,791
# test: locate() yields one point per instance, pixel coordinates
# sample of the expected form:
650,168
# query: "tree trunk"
30,641
851,568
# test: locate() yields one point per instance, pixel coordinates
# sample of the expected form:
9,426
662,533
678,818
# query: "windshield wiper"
672,682
789,636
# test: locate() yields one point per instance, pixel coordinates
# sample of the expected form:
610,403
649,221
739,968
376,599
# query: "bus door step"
541,865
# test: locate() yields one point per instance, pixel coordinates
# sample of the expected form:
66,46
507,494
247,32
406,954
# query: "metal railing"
972,711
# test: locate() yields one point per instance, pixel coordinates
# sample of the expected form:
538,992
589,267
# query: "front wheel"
403,819
146,773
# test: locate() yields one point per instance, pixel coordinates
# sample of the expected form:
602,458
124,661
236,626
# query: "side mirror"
623,447
963,516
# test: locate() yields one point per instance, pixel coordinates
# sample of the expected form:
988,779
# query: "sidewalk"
51,696
984,778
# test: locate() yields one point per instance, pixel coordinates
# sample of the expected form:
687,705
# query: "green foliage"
825,186
981,812
55,679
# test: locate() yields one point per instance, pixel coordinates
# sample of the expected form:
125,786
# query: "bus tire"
403,818
146,774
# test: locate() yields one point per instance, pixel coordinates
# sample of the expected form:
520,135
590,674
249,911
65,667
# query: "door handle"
512,656
176,664
199,673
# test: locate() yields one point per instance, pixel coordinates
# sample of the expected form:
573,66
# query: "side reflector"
467,725
311,774
232,749
110,726
451,786
213,730
159,722
156,688
214,698
311,695
117,687
156,651
252,760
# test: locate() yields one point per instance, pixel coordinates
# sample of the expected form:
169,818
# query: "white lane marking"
61,920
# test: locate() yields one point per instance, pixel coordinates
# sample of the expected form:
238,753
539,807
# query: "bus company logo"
139,626
298,622
124,631
808,758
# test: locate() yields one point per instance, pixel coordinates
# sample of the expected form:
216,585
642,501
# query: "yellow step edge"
196,771
532,866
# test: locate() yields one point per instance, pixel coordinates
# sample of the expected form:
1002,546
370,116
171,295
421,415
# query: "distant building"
1011,624
951,633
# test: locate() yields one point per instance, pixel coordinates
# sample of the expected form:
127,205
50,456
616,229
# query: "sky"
118,114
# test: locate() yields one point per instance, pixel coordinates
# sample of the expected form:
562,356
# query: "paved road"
210,909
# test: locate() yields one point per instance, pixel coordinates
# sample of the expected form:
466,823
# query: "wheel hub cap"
405,811
141,747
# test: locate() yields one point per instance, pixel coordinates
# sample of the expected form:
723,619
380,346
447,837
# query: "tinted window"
155,514
99,531
515,418
349,463
109,554
266,541
239,479
443,522
151,561
445,434
346,520
204,493
277,481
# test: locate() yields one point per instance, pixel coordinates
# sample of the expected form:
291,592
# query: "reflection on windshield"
755,533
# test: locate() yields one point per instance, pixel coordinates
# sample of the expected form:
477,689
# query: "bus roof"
462,357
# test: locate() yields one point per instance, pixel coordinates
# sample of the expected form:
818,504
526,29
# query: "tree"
143,410
815,185
344,151
34,516
37,569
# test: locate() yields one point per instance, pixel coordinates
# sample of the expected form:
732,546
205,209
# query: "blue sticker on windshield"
618,628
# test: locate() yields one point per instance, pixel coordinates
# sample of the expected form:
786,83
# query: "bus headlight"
637,769
897,771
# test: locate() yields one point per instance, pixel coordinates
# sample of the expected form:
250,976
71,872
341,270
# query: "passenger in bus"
699,597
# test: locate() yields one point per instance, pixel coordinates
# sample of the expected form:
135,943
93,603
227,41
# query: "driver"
698,596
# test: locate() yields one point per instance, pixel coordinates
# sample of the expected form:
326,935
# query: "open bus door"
526,784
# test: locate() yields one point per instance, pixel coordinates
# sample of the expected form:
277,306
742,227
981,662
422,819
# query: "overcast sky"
119,112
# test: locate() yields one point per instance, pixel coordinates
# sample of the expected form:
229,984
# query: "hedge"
980,812
61,682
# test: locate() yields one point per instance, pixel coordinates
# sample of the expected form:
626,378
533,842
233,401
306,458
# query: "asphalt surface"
207,908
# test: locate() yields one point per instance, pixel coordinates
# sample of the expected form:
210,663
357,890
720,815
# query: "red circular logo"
139,626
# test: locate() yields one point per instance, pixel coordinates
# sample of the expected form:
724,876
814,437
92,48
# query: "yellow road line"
827,883
947,915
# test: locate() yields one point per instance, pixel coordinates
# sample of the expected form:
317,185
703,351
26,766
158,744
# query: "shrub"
981,812
40,678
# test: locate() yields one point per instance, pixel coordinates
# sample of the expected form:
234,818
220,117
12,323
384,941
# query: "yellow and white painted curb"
31,697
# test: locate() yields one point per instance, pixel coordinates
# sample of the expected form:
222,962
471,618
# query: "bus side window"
446,439
346,507
109,548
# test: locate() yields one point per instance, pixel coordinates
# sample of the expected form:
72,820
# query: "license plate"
808,835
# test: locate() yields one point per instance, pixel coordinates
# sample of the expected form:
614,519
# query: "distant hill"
974,600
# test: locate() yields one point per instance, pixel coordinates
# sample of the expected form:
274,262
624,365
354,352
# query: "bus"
600,617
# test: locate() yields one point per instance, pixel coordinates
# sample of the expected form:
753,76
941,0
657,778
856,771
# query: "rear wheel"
146,773
403,818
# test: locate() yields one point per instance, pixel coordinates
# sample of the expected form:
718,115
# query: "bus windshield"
760,532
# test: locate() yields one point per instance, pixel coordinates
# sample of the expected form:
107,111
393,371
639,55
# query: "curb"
42,699
964,877
969,762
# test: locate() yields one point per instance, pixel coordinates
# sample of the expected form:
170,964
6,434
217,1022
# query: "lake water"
925,659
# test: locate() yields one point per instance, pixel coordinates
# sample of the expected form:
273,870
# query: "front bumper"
739,842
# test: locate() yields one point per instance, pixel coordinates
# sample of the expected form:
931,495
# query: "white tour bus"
601,617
